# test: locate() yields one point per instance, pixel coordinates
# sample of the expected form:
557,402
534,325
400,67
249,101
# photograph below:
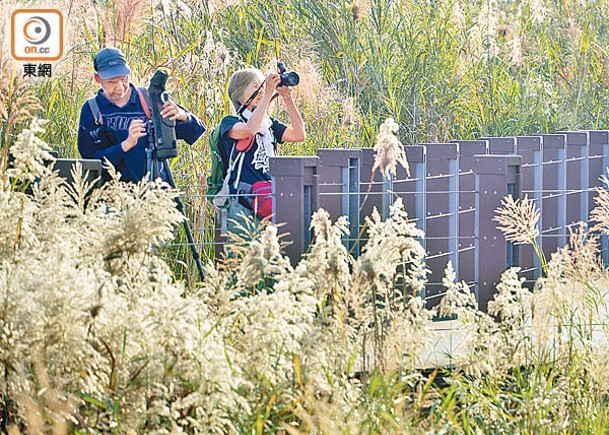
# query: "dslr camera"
288,78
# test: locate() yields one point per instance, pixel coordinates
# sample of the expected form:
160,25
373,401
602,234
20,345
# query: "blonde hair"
240,81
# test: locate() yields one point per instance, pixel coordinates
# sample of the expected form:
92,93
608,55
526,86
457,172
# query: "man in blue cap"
113,123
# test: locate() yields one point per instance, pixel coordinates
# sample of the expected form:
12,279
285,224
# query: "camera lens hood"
289,79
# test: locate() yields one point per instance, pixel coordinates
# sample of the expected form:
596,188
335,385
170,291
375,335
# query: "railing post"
441,219
294,200
467,151
387,196
530,149
577,170
412,188
494,175
553,231
506,146
598,156
339,193
374,191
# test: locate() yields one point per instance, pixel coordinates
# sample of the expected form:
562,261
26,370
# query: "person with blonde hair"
250,137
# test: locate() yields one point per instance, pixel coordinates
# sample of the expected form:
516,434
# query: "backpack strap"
221,200
144,96
97,116
233,162
238,160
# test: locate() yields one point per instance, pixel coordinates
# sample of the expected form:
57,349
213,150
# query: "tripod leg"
152,162
189,236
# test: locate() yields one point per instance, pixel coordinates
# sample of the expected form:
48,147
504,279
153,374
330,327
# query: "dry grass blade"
600,213
18,103
580,259
389,150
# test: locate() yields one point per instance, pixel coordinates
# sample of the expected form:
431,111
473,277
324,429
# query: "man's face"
115,88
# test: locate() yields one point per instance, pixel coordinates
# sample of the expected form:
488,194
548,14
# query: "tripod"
152,165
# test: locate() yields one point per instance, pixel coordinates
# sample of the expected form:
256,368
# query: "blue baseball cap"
110,62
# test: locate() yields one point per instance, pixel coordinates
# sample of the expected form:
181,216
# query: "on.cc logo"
36,34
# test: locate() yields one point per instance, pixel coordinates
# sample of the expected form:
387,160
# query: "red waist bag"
263,198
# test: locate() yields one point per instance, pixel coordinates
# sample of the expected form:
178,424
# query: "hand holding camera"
103,136
272,81
137,129
285,92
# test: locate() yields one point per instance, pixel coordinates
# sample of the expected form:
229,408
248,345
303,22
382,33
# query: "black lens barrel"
289,79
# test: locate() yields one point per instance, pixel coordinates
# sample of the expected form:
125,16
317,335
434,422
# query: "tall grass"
96,334
442,69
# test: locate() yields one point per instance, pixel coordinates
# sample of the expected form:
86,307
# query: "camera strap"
250,99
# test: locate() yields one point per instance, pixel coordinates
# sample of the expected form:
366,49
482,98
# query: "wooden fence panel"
452,193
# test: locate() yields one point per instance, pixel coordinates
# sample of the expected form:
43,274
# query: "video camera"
164,128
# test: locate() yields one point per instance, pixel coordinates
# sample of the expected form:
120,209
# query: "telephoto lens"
288,78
